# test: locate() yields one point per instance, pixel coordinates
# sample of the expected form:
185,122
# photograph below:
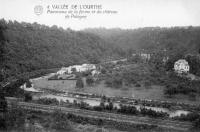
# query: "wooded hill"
27,47
173,39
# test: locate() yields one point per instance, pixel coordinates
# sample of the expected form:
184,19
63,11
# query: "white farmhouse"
78,68
145,56
84,67
181,66
63,70
95,72
89,67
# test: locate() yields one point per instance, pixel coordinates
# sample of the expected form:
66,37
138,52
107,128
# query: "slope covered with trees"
30,47
173,43
152,38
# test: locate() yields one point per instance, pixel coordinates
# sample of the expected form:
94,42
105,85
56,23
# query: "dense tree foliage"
15,118
27,97
2,48
13,90
32,46
79,83
60,121
48,101
89,80
153,38
176,84
3,103
194,62
174,43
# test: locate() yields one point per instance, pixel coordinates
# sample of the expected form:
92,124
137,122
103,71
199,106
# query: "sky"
130,13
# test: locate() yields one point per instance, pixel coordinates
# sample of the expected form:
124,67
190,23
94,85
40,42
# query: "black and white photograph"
99,65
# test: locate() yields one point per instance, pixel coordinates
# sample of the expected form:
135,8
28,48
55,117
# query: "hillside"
152,38
29,47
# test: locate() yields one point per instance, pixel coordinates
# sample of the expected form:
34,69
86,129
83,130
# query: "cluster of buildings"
78,68
147,55
180,66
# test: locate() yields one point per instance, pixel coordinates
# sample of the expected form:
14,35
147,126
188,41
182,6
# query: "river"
96,102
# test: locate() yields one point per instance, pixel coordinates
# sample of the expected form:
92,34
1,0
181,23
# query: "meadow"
154,92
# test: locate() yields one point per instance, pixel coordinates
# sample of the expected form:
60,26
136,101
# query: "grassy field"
154,92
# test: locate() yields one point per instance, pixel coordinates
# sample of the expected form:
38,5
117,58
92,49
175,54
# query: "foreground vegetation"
21,120
30,121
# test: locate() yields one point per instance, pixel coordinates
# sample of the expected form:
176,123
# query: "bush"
48,101
103,71
152,113
147,84
15,118
28,97
97,108
28,84
189,117
137,85
192,96
89,80
128,109
197,123
79,83
60,121
170,90
3,102
108,82
114,81
117,82
2,123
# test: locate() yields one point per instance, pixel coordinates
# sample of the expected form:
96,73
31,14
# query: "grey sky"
131,13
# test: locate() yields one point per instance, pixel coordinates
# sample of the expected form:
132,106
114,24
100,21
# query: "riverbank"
98,118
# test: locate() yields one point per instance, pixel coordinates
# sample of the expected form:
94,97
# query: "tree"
197,123
60,121
28,97
194,63
93,58
172,59
79,83
2,48
157,59
110,106
103,71
134,59
15,118
3,109
3,103
28,47
14,88
117,81
74,70
2,123
89,80
28,84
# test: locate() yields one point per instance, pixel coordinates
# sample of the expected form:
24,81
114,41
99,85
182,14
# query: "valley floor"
151,93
